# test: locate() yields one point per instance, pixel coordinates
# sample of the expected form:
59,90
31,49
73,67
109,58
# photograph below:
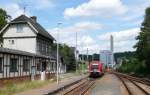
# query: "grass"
12,88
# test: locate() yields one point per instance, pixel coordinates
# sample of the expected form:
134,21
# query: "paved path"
107,85
51,86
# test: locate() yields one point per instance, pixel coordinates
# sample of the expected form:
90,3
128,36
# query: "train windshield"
94,66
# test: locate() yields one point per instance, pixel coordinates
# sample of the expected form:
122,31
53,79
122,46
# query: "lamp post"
58,24
76,62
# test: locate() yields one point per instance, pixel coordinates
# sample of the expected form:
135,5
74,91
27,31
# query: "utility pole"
76,60
58,52
87,55
82,64
112,49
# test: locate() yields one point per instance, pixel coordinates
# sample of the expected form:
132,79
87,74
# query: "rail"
124,78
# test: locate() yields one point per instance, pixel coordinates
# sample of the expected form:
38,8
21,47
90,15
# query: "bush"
134,66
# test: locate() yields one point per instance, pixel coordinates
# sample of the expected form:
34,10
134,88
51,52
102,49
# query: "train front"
95,69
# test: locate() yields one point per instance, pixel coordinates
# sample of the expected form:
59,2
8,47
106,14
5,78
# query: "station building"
27,51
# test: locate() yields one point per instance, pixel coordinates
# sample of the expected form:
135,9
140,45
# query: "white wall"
24,41
11,31
24,44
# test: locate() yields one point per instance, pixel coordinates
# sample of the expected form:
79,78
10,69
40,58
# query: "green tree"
3,20
143,44
3,17
66,55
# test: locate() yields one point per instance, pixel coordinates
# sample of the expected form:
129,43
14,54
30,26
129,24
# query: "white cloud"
77,27
44,3
82,27
103,8
123,40
38,4
16,8
86,40
67,34
125,35
12,9
135,12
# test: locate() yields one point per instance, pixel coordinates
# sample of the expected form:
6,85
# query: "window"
46,49
26,65
11,42
19,28
38,66
13,65
38,47
94,66
1,64
42,44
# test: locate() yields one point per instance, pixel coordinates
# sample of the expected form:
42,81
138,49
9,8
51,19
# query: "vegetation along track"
134,86
81,88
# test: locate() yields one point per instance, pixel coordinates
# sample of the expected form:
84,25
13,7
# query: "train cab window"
95,66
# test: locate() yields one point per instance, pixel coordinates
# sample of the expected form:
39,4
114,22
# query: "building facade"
106,57
16,65
26,51
26,34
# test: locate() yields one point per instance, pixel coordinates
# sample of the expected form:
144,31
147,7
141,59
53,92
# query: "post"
112,49
87,57
82,63
87,54
76,61
58,52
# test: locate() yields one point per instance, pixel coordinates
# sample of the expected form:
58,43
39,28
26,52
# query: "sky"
93,21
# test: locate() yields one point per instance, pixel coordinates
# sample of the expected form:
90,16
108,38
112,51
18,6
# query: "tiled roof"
19,52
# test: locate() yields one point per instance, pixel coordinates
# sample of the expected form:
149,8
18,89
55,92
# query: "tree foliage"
66,55
140,63
3,21
3,17
124,55
143,44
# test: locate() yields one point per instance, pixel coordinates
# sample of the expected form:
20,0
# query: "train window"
94,66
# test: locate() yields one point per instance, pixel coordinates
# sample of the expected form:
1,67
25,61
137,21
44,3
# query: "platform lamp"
76,42
58,24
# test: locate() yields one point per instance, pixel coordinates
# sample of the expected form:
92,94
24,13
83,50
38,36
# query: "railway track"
81,88
133,85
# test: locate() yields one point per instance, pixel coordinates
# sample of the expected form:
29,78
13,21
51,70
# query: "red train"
95,69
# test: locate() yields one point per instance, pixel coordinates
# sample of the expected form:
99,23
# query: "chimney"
33,18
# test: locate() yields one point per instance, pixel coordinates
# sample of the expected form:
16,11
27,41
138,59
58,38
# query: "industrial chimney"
111,43
112,49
